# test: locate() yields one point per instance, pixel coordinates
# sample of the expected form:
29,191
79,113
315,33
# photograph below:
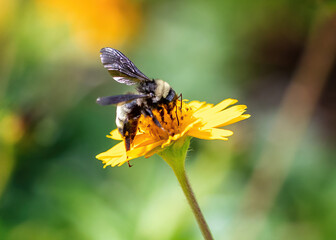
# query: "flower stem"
188,192
175,156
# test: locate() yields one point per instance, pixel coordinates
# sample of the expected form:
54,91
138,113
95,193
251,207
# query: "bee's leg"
148,112
161,111
127,143
180,96
129,165
178,122
129,131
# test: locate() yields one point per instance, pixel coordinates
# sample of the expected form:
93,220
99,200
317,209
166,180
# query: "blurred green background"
51,185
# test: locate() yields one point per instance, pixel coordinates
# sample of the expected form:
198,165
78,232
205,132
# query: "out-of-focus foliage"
52,187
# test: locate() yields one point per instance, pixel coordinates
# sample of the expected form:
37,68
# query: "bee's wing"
118,99
120,67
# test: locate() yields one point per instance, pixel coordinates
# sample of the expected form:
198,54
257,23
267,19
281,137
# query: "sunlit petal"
114,134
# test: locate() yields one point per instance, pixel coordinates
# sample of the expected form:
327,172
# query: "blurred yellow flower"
11,128
7,10
194,119
93,23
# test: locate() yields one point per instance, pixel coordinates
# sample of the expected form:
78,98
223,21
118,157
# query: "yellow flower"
93,24
194,119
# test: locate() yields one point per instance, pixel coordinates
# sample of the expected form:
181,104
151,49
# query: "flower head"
194,119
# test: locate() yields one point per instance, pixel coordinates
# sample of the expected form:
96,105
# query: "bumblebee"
151,94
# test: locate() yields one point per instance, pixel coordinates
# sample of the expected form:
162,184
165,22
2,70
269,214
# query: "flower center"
173,121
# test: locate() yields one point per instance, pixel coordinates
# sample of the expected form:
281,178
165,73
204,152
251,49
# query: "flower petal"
224,116
142,140
237,119
115,134
113,154
195,104
140,151
115,151
210,109
211,134
224,104
117,161
151,153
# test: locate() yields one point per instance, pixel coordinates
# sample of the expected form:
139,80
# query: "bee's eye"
151,94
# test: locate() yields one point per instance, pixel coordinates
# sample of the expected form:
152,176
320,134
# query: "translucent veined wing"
120,67
118,99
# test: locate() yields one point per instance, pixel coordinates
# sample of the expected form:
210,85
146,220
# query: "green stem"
175,156
188,192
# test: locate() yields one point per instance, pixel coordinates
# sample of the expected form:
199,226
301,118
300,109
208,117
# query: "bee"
151,94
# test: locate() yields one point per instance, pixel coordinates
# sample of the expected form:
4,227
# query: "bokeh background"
274,179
